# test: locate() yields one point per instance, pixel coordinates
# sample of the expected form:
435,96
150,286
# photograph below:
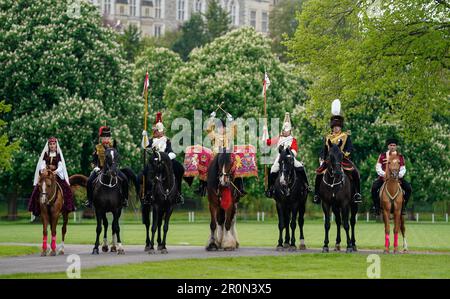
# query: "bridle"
159,178
286,188
44,199
107,169
331,174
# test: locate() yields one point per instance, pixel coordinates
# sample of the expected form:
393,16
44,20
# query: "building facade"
155,17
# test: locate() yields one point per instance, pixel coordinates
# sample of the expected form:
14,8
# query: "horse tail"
131,178
78,180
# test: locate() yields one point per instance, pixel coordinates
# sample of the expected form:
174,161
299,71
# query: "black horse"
162,187
336,194
290,194
107,197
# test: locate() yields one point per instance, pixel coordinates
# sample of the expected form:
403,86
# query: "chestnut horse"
222,198
51,205
391,196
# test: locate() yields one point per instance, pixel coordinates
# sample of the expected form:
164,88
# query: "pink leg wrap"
53,243
386,241
396,240
44,243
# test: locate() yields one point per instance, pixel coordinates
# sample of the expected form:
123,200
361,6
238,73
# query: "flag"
146,84
145,141
266,83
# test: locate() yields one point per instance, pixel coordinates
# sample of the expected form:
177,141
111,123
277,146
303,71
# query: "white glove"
321,162
213,114
172,155
229,117
97,169
144,133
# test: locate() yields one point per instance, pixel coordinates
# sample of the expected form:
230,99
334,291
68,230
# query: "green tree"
192,36
55,66
217,20
130,41
282,24
6,148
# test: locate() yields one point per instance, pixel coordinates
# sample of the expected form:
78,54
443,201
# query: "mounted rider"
285,140
380,167
337,135
98,162
52,158
162,143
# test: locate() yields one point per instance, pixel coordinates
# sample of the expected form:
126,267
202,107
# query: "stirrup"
357,198
316,199
88,204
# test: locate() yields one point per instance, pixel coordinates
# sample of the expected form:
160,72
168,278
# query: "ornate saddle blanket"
244,161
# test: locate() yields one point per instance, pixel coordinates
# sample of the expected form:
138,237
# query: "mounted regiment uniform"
54,161
285,140
98,162
380,168
346,148
162,143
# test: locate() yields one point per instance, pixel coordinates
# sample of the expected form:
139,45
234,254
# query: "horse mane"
78,180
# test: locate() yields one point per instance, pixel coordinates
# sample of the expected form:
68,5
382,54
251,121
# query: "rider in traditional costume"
380,167
336,135
52,158
98,162
222,137
162,143
285,140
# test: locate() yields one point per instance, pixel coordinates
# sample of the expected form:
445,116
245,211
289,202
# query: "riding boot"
407,190
271,182
239,182
89,189
125,194
357,195
316,199
201,188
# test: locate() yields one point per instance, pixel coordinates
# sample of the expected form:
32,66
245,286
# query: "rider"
53,159
222,140
162,143
336,124
98,161
380,167
285,140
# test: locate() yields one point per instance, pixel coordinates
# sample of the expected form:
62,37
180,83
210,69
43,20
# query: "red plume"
158,117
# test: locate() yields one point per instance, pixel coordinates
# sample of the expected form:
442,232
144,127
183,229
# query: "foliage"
6,148
130,41
192,35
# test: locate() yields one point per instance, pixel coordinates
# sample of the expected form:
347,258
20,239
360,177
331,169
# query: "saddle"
346,165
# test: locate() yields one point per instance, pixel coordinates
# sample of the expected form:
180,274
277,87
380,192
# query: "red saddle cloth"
196,161
244,161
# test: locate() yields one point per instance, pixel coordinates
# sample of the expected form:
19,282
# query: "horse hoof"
302,247
337,248
237,245
105,248
354,248
292,248
212,247
61,252
147,248
325,250
113,249
286,245
386,251
349,250
120,251
53,253
95,251
151,251
44,253
164,251
160,247
279,248
405,250
229,249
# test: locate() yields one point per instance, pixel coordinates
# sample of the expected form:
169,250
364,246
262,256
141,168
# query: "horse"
222,198
290,196
107,197
161,179
336,192
391,196
51,205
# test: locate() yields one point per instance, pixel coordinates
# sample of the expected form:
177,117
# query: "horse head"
286,161
47,181
225,168
394,165
335,157
111,161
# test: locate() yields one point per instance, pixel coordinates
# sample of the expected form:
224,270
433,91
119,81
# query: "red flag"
146,84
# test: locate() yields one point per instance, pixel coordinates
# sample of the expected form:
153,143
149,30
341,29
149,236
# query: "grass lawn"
8,250
421,236
330,265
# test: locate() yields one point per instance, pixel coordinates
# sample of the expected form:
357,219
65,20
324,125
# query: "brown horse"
51,205
222,198
391,196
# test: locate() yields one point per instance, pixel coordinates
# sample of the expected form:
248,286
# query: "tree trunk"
12,205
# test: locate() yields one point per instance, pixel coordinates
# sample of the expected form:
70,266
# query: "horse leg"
105,234
160,220
116,227
403,230
146,220
301,222
345,216
229,243
287,218
166,229
386,214
354,211
44,216
63,233
211,244
337,214
397,215
280,226
54,223
154,226
99,218
326,212
233,227
293,226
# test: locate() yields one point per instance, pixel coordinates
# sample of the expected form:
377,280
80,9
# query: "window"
107,7
122,10
264,22
234,12
198,6
147,12
158,9
158,30
132,8
253,19
181,10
